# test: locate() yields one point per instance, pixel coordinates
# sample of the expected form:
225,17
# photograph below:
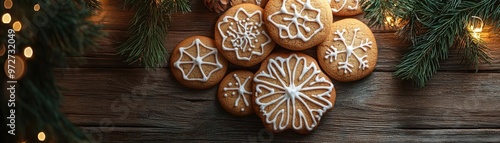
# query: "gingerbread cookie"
241,36
261,3
350,52
298,24
291,92
345,7
196,63
235,92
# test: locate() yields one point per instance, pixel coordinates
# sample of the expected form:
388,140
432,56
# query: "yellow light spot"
476,27
477,30
41,136
6,18
7,4
17,26
36,7
28,52
389,21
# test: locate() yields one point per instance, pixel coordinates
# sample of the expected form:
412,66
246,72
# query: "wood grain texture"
113,101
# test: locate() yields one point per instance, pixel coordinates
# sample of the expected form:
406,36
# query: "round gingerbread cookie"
196,63
298,24
345,7
241,36
261,3
350,51
235,92
291,92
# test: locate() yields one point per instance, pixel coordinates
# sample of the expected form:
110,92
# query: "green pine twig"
433,27
148,29
66,33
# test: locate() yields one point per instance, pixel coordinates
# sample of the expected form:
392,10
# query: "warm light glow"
17,26
389,20
28,52
41,136
7,4
6,18
36,7
476,26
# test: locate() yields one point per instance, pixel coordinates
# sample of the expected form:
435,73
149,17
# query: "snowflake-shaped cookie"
291,93
297,19
333,52
197,61
243,34
238,90
343,5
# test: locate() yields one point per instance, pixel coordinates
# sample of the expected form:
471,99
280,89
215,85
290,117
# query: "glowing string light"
41,136
476,26
28,52
6,18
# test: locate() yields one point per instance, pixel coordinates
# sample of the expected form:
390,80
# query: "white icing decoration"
343,5
291,18
256,1
289,88
349,51
240,89
197,61
243,34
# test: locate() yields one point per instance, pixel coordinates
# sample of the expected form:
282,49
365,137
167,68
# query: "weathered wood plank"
201,22
376,108
144,134
117,102
391,51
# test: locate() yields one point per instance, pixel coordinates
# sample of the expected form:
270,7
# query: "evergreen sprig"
148,29
92,5
433,27
67,32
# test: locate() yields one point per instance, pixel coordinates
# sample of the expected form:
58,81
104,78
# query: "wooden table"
117,102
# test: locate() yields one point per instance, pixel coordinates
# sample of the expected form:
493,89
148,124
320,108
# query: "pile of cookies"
291,90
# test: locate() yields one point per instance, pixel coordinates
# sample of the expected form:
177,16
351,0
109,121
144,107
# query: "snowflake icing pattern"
243,34
333,52
286,83
294,17
240,90
198,61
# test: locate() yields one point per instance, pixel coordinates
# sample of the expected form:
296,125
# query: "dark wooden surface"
116,102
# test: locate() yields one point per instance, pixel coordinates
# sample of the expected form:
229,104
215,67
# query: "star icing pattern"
197,61
343,5
238,89
292,20
243,34
285,93
333,52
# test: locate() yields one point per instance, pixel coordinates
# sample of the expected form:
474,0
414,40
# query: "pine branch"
433,27
148,29
92,5
66,33
473,51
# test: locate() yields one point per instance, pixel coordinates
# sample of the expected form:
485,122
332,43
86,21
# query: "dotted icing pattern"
243,34
197,61
287,99
238,90
298,19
